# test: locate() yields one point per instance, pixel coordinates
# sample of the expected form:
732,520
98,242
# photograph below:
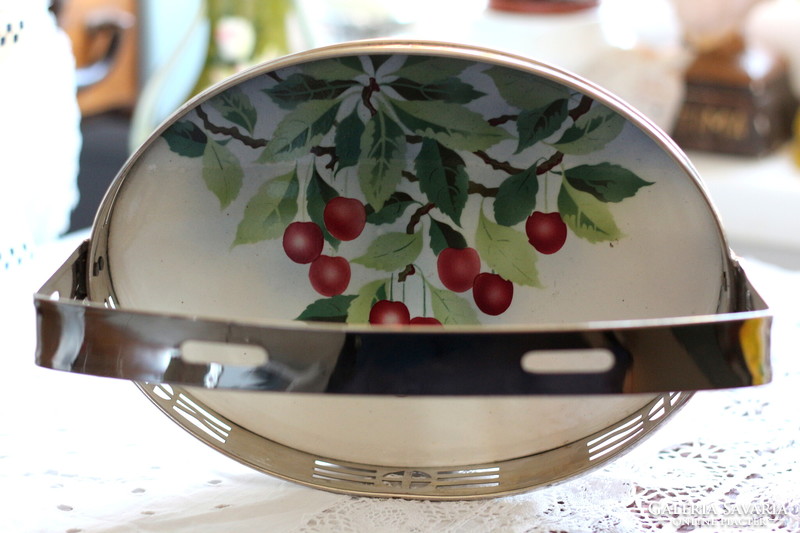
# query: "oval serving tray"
561,254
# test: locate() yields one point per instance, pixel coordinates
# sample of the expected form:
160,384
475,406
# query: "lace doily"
81,454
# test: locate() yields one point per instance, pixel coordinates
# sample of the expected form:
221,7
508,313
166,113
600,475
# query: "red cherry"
329,275
425,321
345,218
547,232
389,312
492,293
302,241
458,267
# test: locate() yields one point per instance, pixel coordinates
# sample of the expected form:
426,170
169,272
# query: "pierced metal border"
461,482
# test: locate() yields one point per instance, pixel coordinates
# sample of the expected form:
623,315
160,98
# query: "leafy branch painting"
393,149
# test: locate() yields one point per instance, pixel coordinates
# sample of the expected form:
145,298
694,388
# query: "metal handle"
691,353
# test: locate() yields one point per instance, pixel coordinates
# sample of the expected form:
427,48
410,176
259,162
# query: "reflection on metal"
650,356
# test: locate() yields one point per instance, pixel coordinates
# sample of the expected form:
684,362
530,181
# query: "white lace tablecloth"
82,454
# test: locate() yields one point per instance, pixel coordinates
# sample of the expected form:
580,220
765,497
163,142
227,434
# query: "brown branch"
550,164
329,151
495,164
231,131
482,190
502,119
366,94
409,270
583,106
417,216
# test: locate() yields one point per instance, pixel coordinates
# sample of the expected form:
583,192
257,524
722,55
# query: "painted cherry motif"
546,232
302,242
345,218
329,276
425,321
457,268
388,312
492,293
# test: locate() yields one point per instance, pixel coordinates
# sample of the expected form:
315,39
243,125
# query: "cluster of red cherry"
460,268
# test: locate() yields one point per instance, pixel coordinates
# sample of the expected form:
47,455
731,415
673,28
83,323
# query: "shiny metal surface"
681,354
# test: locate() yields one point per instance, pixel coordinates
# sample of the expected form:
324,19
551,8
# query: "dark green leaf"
318,194
270,210
450,90
392,209
427,69
236,107
605,181
516,197
383,159
443,236
299,88
538,124
591,132
453,125
328,309
348,140
443,178
525,91
186,138
299,130
338,69
379,60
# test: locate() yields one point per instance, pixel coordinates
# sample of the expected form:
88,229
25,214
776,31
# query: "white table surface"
83,454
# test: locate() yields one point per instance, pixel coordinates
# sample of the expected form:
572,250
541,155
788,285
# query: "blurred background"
721,76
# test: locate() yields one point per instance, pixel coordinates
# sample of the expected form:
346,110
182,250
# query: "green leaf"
443,236
453,125
443,178
525,91
348,140
450,308
392,209
516,197
334,69
186,138
318,194
591,132
236,107
358,313
270,210
378,60
605,181
383,148
450,90
391,251
428,69
299,88
539,124
332,309
222,172
299,130
586,216
507,252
